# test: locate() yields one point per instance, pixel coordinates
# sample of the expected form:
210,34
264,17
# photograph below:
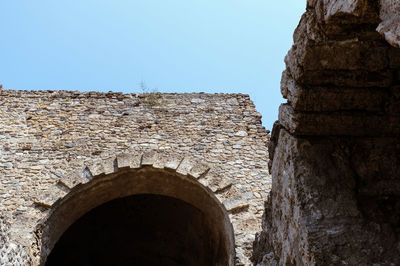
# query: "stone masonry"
334,197
48,136
335,151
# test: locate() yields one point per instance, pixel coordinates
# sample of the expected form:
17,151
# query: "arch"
151,173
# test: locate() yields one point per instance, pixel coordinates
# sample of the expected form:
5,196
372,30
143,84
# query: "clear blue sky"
171,45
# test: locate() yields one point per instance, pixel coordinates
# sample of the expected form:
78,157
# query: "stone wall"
335,151
47,135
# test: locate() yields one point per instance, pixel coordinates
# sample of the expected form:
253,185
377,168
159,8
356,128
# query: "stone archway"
155,179
144,229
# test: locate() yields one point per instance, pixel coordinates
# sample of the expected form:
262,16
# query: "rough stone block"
341,7
185,166
346,55
328,99
198,170
343,78
338,123
132,160
235,204
345,11
149,158
160,160
110,165
123,160
96,167
136,159
315,61
173,161
70,180
215,182
45,199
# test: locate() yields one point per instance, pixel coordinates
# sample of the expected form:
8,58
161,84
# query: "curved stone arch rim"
105,170
184,166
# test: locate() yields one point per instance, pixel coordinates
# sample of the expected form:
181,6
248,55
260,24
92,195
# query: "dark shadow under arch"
195,212
138,230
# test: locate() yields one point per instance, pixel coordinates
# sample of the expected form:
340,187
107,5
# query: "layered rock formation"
335,151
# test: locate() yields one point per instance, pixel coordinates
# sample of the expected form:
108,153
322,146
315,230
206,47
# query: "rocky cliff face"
335,151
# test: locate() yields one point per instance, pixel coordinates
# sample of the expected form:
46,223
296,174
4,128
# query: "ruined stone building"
177,179
187,179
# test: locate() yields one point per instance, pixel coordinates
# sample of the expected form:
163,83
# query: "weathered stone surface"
96,168
316,199
11,253
160,160
335,150
349,55
390,25
185,166
136,159
173,162
54,143
110,165
215,182
71,179
342,11
330,99
46,199
149,158
235,204
198,170
338,123
123,160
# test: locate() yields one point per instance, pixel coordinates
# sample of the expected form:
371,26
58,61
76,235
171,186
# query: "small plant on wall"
150,98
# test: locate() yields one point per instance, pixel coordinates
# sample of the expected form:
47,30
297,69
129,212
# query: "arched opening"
143,216
138,230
